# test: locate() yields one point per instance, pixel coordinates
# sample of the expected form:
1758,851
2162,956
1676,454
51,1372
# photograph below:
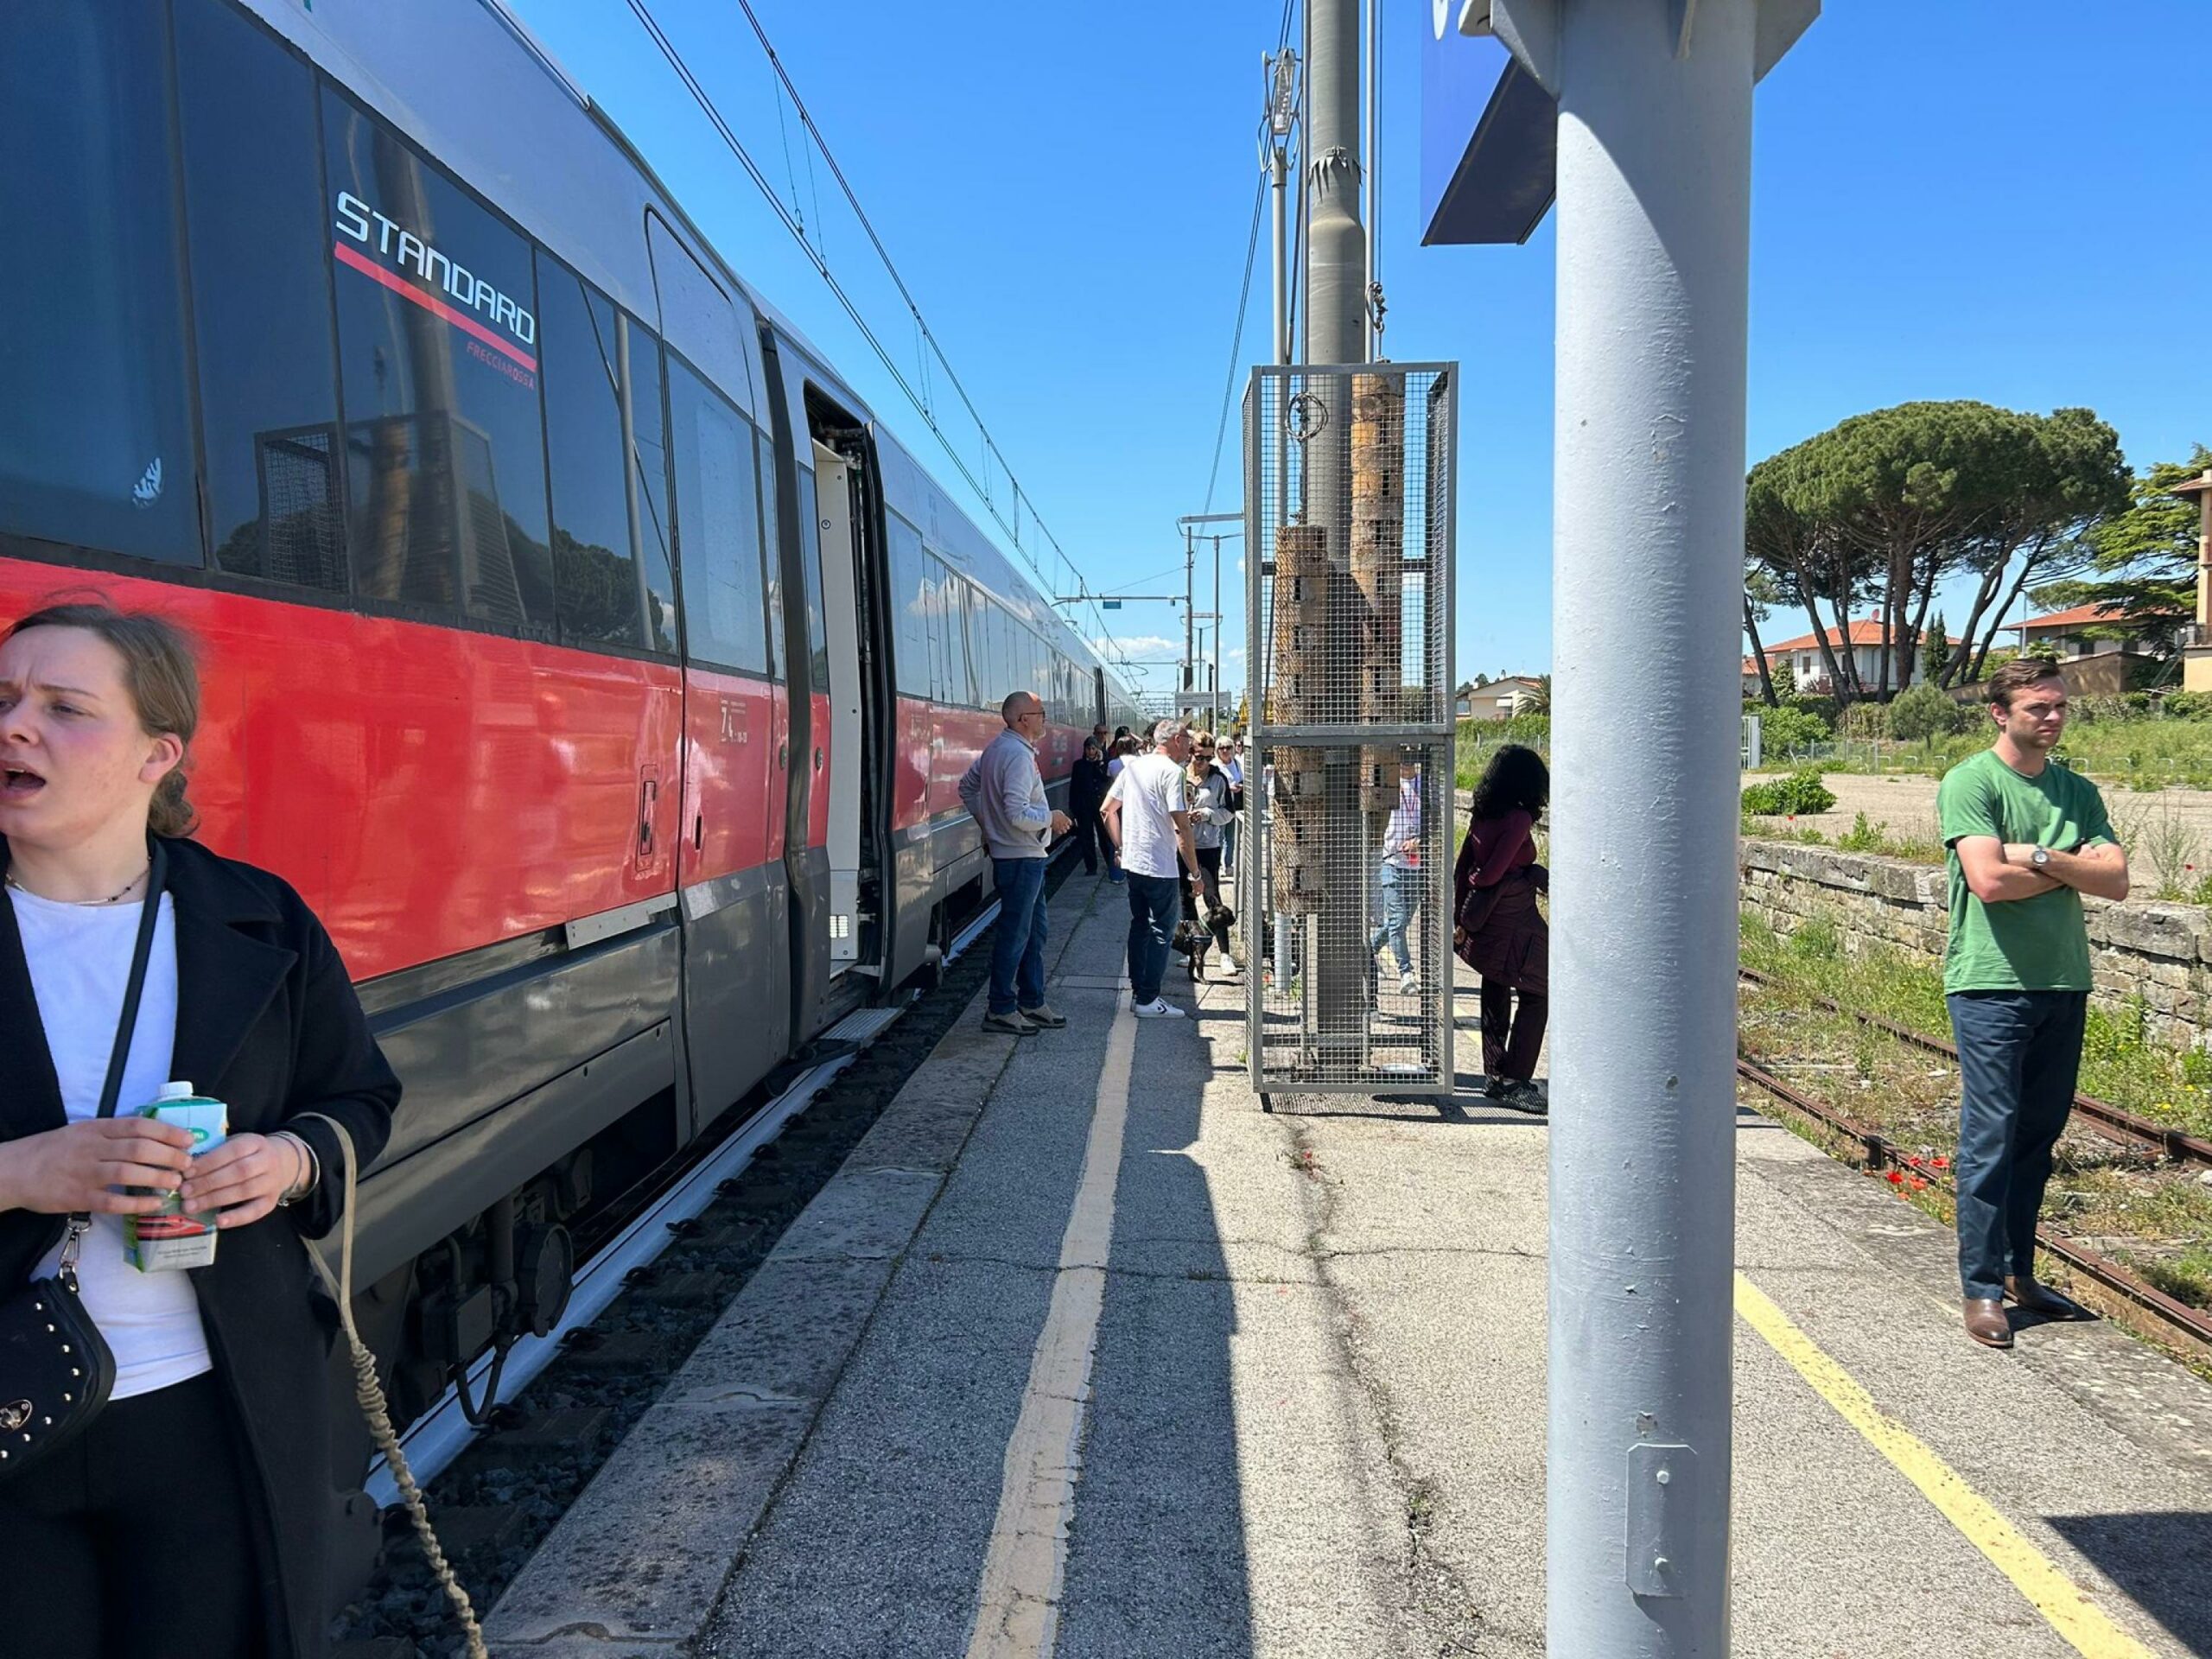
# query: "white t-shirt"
1150,787
79,958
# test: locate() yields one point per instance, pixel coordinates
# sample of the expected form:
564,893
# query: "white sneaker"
1159,1008
1407,985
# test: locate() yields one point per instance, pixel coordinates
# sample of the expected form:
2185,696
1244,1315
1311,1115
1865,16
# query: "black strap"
148,918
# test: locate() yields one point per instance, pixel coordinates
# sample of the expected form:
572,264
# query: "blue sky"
1965,199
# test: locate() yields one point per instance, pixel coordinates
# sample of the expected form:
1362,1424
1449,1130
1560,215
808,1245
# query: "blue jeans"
1018,942
1154,903
2019,1053
1400,897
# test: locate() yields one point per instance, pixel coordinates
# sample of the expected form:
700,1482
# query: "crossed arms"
1998,871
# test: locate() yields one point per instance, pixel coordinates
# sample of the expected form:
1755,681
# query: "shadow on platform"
2158,1559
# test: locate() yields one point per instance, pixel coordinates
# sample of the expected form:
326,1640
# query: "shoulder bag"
55,1367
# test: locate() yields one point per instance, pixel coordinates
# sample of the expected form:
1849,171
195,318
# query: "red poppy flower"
1896,1178
1918,1184
1939,1163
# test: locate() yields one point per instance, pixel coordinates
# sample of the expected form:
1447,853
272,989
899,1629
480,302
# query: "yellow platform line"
1018,1603
2064,1604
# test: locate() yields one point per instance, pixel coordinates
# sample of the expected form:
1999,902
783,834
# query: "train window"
96,444
717,526
268,381
950,610
770,519
593,564
810,564
437,341
649,433
910,608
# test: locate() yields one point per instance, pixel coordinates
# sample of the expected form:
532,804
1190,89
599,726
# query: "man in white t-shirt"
1147,814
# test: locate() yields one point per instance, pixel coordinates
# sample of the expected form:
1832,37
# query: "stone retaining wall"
2159,957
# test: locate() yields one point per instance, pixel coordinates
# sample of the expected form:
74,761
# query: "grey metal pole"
1190,616
1335,260
1370,191
1213,691
1654,136
1337,965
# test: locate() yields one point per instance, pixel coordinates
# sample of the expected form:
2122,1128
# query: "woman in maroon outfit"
1497,930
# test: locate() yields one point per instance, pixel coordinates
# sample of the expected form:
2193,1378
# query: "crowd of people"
2025,837
124,944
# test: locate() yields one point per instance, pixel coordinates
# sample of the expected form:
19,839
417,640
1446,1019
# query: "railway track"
1883,1155
638,1308
2114,1122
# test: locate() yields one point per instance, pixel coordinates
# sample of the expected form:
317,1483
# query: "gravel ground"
496,1502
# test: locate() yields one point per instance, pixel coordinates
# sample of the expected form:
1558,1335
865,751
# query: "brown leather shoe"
2030,1293
1985,1322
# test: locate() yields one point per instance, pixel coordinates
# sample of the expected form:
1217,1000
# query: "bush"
1800,794
2189,705
1864,721
1922,713
1862,836
1785,730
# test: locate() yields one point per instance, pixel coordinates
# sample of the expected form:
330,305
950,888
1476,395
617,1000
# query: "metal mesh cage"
1347,874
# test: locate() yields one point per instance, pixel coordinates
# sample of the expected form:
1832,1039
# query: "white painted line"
1018,1606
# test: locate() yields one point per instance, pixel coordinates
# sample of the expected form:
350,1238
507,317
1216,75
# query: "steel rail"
2114,1122
1883,1153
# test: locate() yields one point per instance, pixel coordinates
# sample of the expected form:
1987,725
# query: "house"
2060,633
1810,671
1499,699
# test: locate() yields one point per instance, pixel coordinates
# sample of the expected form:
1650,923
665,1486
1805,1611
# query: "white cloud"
1138,645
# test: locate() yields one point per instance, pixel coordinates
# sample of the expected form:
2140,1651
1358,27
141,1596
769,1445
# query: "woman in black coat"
1497,929
190,1517
1086,793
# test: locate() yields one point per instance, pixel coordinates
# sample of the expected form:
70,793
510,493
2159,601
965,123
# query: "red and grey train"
577,642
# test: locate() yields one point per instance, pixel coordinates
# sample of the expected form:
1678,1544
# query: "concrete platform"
1083,1354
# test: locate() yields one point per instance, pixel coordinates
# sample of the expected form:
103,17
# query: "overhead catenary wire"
1244,291
924,405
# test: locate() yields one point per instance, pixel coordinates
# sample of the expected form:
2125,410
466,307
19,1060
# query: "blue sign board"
1488,136
1456,72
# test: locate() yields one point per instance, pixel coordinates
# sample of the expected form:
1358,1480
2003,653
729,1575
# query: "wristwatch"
2040,857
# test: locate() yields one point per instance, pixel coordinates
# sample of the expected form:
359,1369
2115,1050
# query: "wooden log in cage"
1376,564
1295,839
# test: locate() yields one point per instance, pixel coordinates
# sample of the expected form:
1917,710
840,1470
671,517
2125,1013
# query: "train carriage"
581,645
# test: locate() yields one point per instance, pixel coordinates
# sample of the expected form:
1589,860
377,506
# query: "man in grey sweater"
1005,794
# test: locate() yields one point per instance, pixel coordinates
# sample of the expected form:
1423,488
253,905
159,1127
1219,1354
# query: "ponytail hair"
162,677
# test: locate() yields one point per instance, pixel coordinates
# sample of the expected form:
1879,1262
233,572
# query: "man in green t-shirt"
2027,838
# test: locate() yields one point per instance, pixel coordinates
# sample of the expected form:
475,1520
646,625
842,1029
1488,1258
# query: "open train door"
839,545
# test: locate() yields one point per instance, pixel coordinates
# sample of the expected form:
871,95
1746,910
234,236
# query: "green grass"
2120,1061
1478,740
2140,753
1862,837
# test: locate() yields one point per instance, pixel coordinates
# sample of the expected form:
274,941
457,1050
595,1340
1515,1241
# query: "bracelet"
311,1166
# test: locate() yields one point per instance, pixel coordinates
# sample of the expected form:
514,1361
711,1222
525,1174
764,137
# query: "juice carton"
169,1237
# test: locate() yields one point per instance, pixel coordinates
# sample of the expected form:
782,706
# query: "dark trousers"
2020,1054
1512,1036
1153,904
1090,838
133,1542
1018,942
1209,883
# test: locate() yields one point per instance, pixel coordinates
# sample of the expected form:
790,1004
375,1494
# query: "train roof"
475,87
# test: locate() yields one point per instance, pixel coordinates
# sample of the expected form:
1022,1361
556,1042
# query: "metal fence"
1349,491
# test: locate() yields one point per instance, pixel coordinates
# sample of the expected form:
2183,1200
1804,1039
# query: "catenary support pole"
1654,129
1336,290
1190,620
